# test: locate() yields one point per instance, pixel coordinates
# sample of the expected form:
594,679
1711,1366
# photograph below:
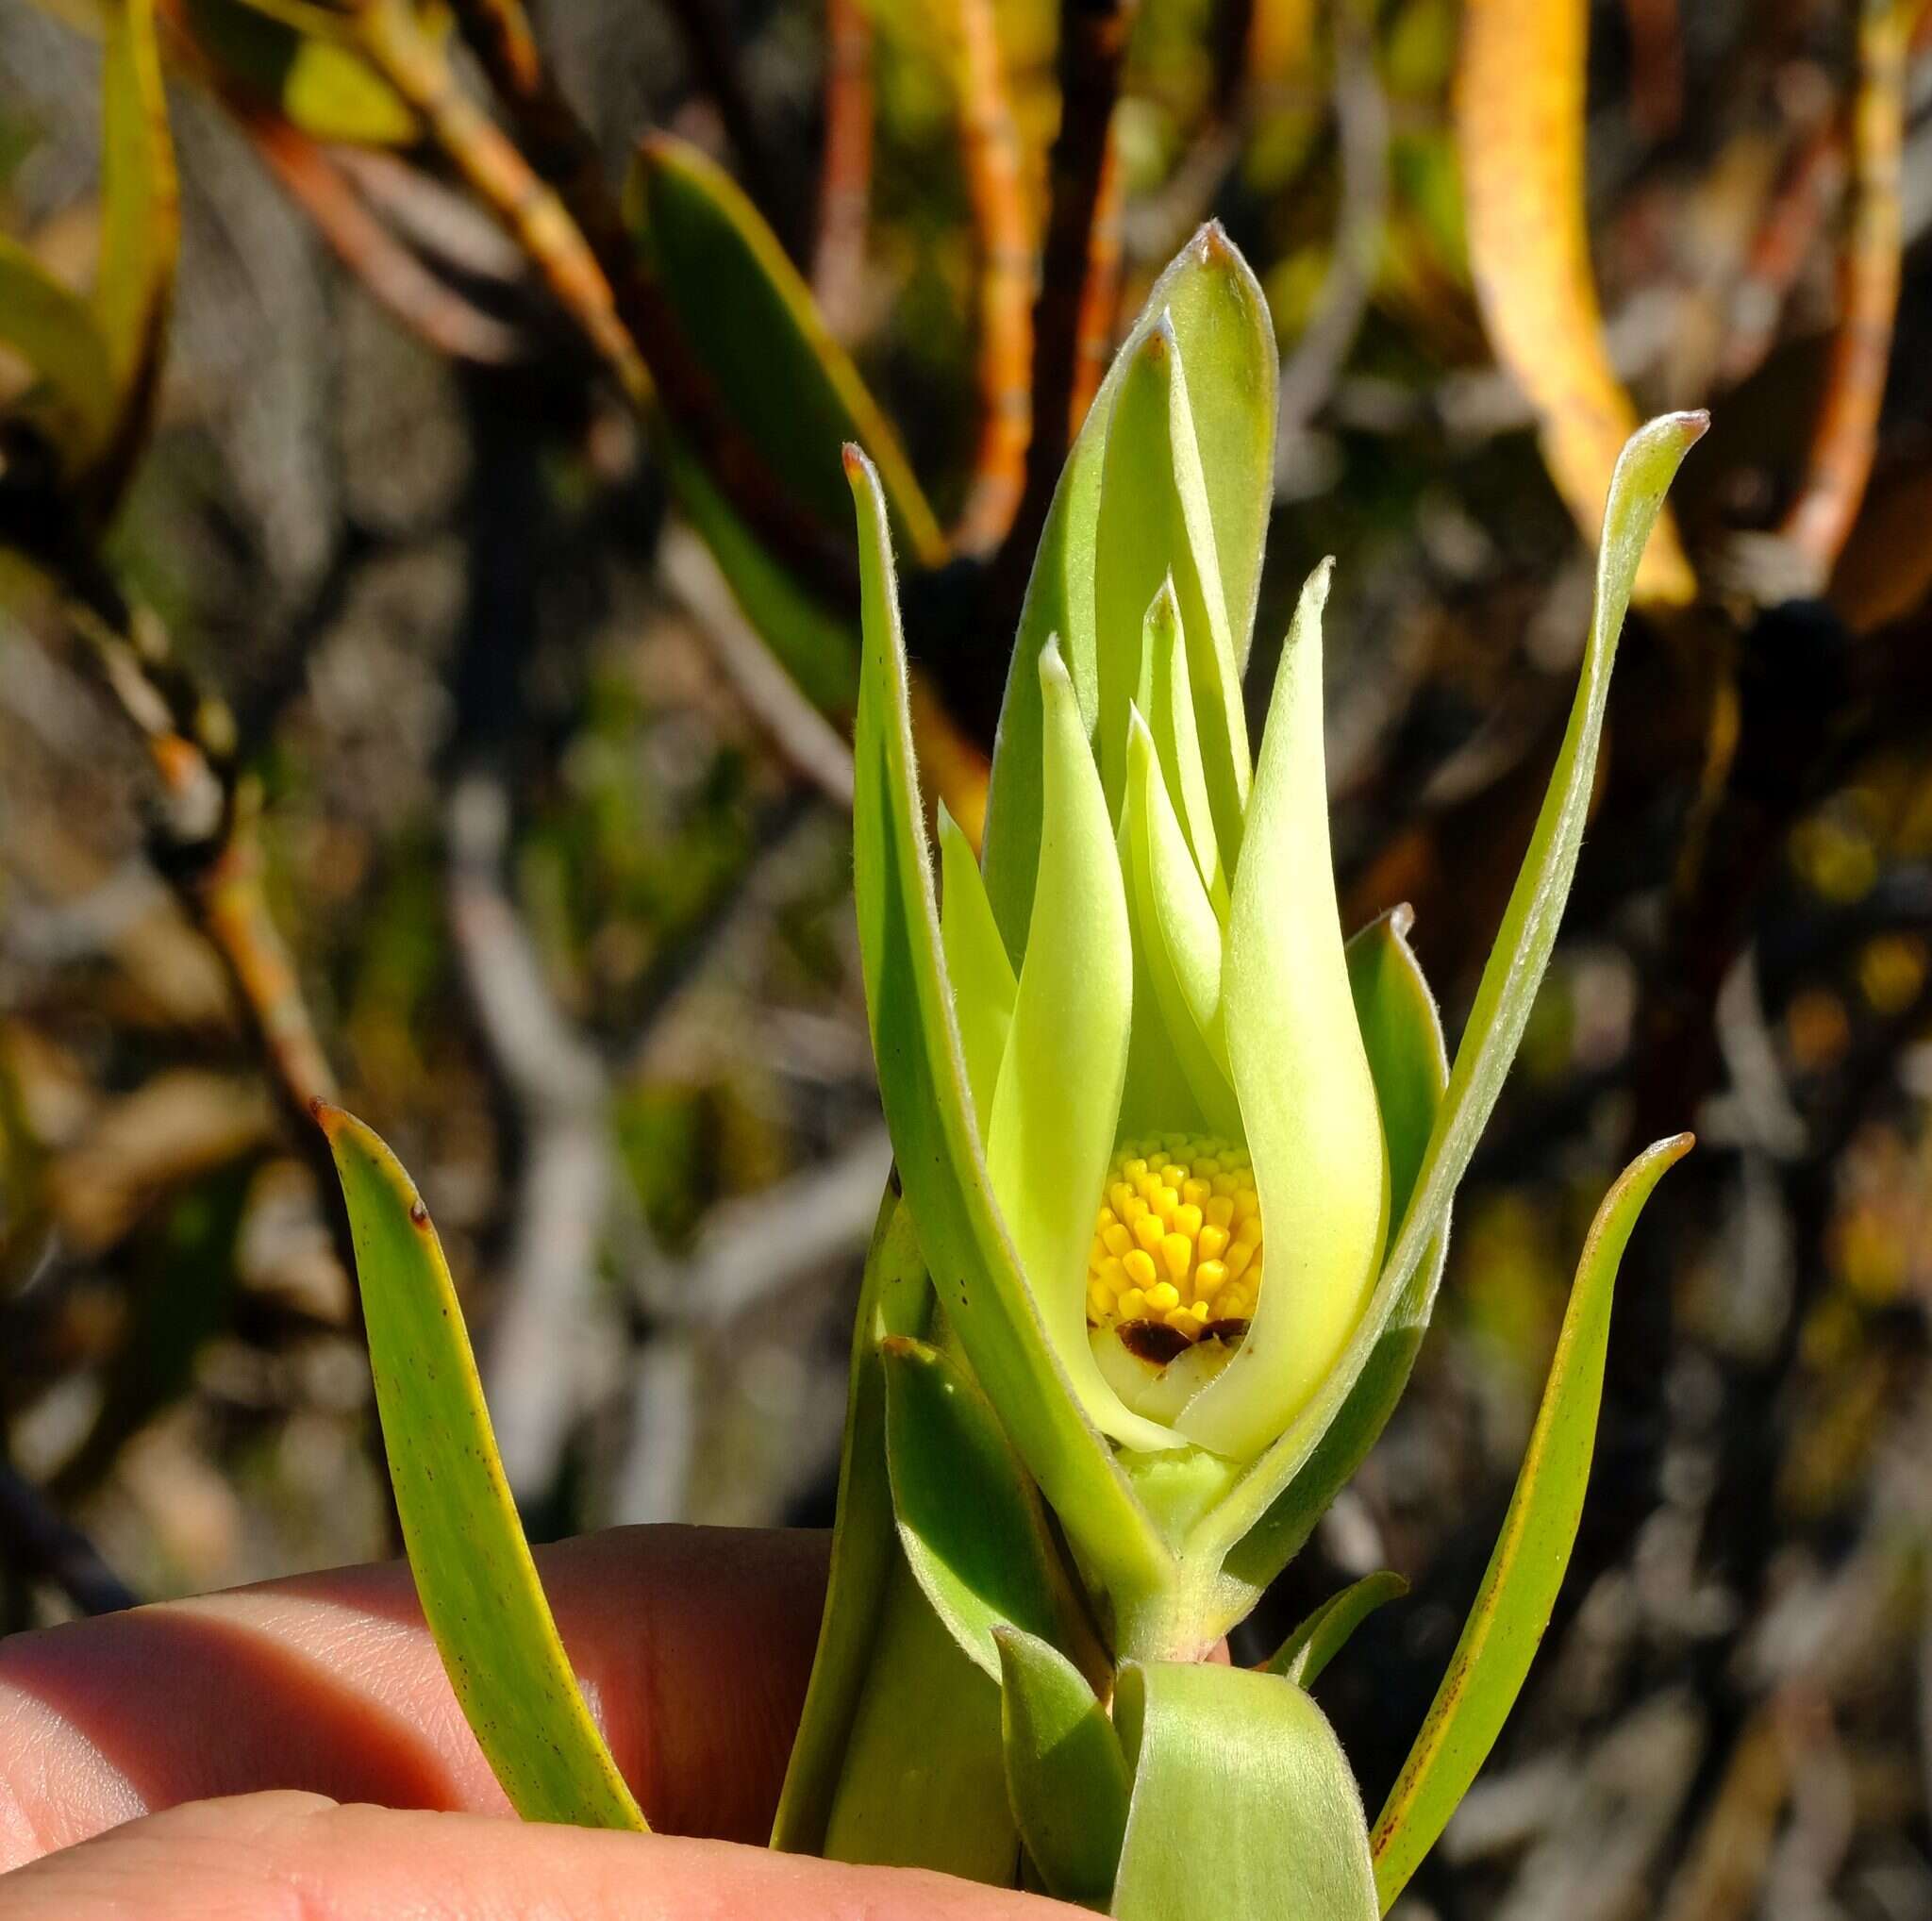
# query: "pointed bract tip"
855,462
326,1116
1053,670
1401,919
1159,342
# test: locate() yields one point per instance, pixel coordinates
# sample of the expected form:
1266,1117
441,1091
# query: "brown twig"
1845,435
838,260
392,274
991,146
35,1540
1100,295
554,200
1094,43
1811,187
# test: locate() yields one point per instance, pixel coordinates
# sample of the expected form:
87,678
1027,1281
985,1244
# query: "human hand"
293,1752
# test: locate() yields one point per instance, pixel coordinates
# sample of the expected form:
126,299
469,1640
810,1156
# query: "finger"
693,1645
299,1858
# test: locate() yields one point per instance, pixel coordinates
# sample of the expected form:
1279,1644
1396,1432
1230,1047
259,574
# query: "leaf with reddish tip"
474,1573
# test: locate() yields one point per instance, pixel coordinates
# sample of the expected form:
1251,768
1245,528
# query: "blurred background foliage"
425,644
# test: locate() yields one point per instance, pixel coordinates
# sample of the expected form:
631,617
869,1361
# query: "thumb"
296,1857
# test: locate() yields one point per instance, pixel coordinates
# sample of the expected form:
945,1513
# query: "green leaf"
141,221
1319,1639
984,989
1403,1035
1220,321
924,1779
1171,718
1156,534
1243,1807
54,331
970,1519
1066,1776
478,1585
1057,1103
1180,937
317,84
894,1299
928,1110
813,643
750,320
1307,1099
1512,1606
1510,980
868,1781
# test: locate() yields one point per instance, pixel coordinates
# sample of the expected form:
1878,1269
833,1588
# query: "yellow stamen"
1178,1236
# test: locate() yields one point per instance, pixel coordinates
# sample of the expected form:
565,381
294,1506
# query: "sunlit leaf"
1512,1607
1059,1095
1520,136
1319,1639
928,1107
1307,1099
1243,1806
1504,996
1221,323
894,1299
1065,1773
974,1533
478,1585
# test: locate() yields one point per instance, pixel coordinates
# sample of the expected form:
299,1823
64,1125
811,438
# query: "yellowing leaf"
1519,126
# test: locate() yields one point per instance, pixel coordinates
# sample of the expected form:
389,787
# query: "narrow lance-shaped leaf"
1403,1035
1065,1773
1180,936
751,323
1512,1606
1511,977
928,1107
970,1520
981,976
478,1585
894,1299
1319,1639
1243,1805
1155,533
1307,1100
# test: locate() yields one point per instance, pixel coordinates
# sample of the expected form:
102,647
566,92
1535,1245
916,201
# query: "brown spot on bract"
418,1213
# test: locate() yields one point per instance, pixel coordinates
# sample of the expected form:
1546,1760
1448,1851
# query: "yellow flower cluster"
1179,1237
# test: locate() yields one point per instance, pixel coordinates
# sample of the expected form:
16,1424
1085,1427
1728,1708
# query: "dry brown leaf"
1519,131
